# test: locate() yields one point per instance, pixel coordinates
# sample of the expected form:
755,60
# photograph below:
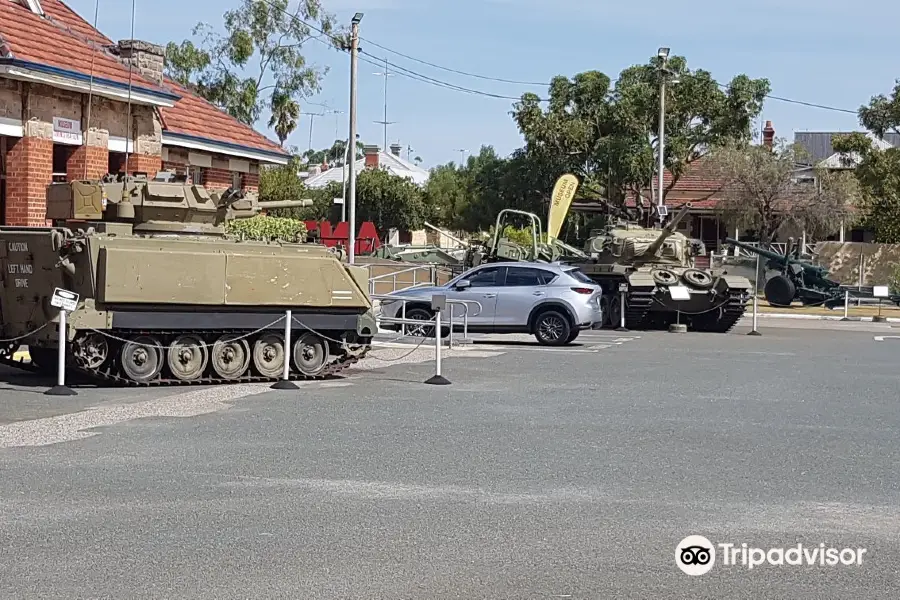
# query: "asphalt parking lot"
537,474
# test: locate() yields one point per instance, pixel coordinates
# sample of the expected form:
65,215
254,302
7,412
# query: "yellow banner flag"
563,193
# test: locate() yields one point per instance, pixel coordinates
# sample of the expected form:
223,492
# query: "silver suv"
550,301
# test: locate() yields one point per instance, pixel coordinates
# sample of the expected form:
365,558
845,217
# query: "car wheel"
418,314
425,329
573,336
552,329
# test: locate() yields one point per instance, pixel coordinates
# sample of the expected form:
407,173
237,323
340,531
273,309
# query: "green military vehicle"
167,296
643,263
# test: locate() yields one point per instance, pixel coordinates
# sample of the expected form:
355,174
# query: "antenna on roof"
87,127
128,142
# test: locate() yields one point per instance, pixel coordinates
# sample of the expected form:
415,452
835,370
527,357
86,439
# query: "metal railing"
403,321
392,277
779,247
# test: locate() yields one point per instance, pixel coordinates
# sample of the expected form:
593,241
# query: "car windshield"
575,273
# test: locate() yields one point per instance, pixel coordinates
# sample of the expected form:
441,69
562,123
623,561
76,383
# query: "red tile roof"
60,41
192,115
66,41
699,185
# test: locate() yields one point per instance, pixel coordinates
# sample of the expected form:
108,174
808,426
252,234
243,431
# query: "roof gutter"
81,83
193,142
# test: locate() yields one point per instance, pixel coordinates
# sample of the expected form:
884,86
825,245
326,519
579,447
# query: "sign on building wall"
66,131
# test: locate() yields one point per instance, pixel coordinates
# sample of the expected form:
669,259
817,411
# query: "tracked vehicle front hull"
716,306
181,310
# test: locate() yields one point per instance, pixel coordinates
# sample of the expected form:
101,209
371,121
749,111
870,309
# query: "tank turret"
667,231
156,206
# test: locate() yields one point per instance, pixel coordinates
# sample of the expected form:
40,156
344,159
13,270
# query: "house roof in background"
818,143
193,116
64,42
68,45
391,163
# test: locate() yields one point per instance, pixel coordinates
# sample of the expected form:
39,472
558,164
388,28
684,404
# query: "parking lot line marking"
881,338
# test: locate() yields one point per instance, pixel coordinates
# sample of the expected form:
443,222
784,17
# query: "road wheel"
573,336
552,329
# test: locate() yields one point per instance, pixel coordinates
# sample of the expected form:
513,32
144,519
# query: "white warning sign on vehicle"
679,292
64,299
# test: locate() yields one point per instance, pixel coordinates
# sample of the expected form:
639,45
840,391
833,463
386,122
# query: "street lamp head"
663,53
356,18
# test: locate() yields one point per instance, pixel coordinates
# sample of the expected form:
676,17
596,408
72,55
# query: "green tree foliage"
257,63
760,192
389,201
877,170
266,228
878,174
333,155
607,135
283,182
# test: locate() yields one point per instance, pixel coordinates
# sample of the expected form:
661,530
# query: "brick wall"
144,163
251,181
217,179
95,158
29,170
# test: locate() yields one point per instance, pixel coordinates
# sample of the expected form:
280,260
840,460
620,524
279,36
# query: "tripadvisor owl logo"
695,555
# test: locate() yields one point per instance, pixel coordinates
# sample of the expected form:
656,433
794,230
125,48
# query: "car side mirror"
463,284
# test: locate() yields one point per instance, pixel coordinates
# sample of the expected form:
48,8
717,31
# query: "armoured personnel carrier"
644,262
167,296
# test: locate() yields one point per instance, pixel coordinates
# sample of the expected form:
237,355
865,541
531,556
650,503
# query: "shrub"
266,228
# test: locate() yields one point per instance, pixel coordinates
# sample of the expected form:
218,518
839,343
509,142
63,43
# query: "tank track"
637,310
111,373
724,320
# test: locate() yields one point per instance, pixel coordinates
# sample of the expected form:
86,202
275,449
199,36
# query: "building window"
61,155
196,175
116,163
237,181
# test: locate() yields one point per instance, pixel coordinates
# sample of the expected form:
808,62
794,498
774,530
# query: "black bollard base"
60,390
285,384
677,328
622,329
438,380
879,319
754,332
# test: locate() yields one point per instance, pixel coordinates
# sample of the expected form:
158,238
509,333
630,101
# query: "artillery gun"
801,281
167,296
644,262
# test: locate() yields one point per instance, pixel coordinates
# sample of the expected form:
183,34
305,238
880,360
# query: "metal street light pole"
312,118
663,54
462,156
354,61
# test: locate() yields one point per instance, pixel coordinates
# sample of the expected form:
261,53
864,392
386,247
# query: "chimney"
395,149
371,155
768,135
148,59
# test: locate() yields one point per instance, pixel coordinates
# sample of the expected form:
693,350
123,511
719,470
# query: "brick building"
66,94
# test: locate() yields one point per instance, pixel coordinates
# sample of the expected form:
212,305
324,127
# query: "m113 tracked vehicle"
168,297
644,262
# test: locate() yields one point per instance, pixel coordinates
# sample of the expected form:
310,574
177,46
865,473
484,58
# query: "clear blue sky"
818,51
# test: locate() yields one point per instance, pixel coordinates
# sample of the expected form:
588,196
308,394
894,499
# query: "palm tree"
285,112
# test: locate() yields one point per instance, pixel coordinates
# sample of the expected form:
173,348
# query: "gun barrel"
669,229
286,203
444,233
775,256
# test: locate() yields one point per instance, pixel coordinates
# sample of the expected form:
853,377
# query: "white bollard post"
61,389
755,331
285,382
846,305
437,379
